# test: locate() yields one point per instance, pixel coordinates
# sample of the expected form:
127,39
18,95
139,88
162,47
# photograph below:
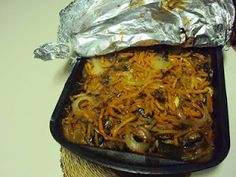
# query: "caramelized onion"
195,122
134,145
160,64
95,67
144,133
80,112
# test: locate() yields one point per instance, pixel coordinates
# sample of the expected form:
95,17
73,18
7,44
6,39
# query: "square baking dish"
142,164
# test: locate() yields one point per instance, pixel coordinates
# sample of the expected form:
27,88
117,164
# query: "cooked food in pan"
145,101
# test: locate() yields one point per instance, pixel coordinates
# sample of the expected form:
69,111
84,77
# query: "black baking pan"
141,164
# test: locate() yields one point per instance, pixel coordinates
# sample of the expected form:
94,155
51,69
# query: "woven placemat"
74,166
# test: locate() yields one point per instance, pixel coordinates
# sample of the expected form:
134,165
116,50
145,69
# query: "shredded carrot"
115,131
209,102
148,93
100,125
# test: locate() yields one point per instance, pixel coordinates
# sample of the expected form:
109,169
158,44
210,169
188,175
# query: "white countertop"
30,88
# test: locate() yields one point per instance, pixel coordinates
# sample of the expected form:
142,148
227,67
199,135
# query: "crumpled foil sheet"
98,27
52,50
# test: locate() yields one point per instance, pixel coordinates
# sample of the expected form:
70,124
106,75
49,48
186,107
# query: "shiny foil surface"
98,27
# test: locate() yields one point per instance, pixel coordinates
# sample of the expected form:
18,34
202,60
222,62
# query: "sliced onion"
137,82
135,146
144,133
199,122
160,63
80,112
81,97
97,68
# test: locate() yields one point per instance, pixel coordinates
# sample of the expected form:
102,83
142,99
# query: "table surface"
30,88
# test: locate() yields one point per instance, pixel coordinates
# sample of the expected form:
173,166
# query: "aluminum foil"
52,51
98,27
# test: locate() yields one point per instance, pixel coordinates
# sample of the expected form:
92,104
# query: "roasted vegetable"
148,102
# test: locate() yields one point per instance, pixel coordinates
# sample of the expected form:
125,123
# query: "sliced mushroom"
192,139
169,150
